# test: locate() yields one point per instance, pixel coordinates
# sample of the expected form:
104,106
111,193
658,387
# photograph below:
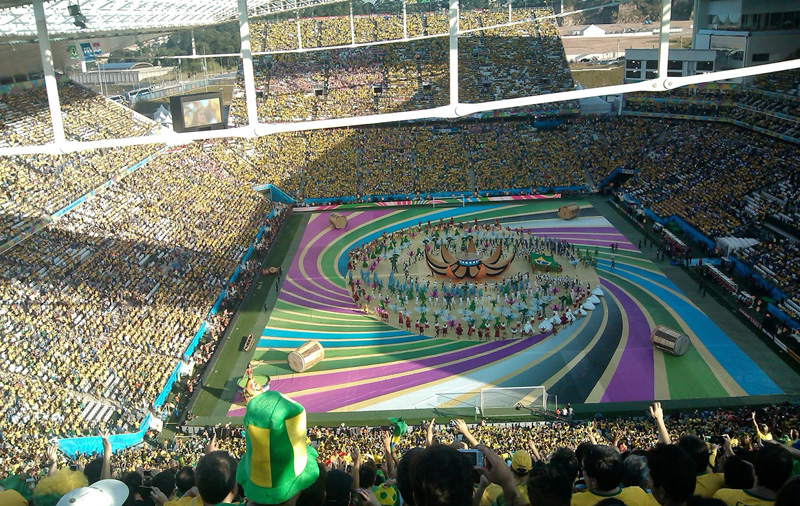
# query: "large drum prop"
306,356
569,211
669,341
337,221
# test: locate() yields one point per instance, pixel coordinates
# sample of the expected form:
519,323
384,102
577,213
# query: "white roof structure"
114,17
106,18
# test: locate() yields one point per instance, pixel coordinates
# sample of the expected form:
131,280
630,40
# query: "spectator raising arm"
534,450
478,494
52,461
356,456
461,425
658,416
496,471
429,434
105,473
388,455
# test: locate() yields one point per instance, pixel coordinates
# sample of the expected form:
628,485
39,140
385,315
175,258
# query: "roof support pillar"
49,72
454,52
247,65
663,38
352,26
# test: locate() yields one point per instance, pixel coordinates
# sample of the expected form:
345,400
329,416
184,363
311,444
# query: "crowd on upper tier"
752,107
35,186
406,74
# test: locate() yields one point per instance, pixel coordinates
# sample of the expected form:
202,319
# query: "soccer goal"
505,401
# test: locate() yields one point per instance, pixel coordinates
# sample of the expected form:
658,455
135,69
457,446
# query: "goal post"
505,400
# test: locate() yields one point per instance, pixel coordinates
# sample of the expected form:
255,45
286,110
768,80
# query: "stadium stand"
343,82
99,306
36,186
536,457
759,181
512,61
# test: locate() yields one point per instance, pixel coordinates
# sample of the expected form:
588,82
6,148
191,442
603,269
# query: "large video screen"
199,111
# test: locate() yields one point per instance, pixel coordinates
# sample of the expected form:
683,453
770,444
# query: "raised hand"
656,412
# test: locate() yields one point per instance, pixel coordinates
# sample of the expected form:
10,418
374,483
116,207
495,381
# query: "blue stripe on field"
267,342
736,362
309,334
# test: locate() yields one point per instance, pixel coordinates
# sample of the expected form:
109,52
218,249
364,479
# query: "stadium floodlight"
78,18
454,109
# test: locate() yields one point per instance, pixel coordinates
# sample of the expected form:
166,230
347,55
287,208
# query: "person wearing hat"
521,466
12,498
101,493
277,463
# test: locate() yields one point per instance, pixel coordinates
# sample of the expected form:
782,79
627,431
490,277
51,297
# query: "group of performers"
515,305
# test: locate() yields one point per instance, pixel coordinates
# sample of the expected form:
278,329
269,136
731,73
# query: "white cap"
101,493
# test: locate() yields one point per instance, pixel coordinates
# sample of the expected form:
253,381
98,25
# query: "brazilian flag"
543,262
400,428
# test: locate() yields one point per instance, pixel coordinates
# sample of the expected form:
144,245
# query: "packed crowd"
511,61
706,183
517,155
763,196
751,107
724,457
25,117
277,35
99,307
404,75
787,82
33,187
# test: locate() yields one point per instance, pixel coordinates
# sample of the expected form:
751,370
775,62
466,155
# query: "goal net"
504,401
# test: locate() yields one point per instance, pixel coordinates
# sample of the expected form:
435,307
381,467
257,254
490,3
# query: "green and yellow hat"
277,463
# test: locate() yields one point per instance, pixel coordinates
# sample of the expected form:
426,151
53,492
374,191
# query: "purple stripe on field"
322,242
599,229
578,241
320,303
599,233
386,384
305,289
634,378
301,382
592,237
581,235
316,225
605,244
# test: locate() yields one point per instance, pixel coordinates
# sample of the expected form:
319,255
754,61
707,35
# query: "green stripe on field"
369,350
360,360
689,376
210,399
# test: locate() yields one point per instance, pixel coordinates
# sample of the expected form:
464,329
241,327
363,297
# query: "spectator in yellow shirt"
521,466
602,472
764,436
707,482
773,468
672,479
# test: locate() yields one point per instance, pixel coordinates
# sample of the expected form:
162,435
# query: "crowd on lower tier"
722,457
98,308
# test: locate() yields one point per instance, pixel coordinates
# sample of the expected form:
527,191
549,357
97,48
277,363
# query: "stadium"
531,229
